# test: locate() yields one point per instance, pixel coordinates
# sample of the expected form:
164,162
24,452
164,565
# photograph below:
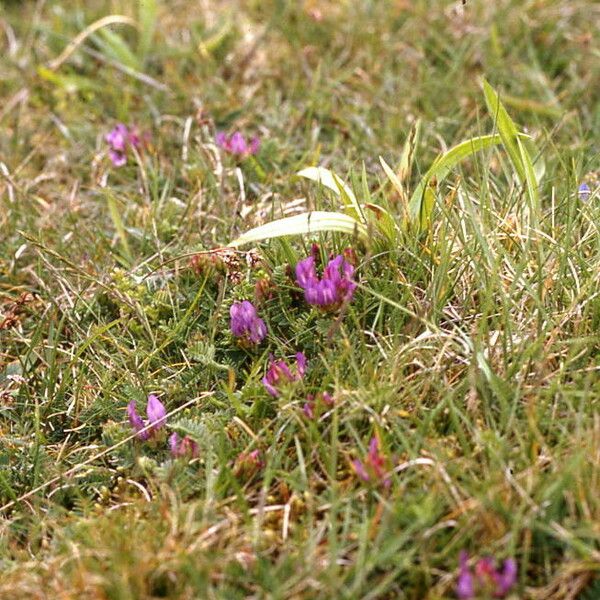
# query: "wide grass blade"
147,16
333,182
506,128
305,223
422,200
115,47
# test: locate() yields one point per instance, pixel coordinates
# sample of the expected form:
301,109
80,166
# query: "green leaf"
147,15
305,223
420,206
115,47
506,128
331,181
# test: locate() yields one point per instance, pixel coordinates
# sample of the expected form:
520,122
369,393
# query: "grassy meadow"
450,406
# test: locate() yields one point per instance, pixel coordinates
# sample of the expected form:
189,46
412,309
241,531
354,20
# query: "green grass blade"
408,151
506,128
333,182
419,210
147,16
115,215
305,223
115,47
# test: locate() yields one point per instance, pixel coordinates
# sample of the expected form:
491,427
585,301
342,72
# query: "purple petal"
308,410
254,145
360,470
117,157
301,363
584,192
306,274
118,137
507,577
174,441
465,588
136,421
221,139
257,331
156,412
237,144
271,389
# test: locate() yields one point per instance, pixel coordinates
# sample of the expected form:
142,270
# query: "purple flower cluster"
374,467
120,139
485,580
279,374
333,289
157,417
236,144
246,324
156,413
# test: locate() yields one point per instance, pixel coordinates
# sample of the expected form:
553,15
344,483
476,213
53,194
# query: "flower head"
584,192
279,374
185,446
485,578
236,144
156,413
246,324
333,289
120,138
373,469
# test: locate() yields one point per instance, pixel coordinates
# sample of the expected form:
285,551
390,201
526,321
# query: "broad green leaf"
115,47
506,128
305,223
147,15
420,211
331,181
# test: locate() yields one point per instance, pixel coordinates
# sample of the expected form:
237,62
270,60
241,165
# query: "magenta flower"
120,139
185,446
374,467
246,324
333,289
486,580
156,413
236,144
279,375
